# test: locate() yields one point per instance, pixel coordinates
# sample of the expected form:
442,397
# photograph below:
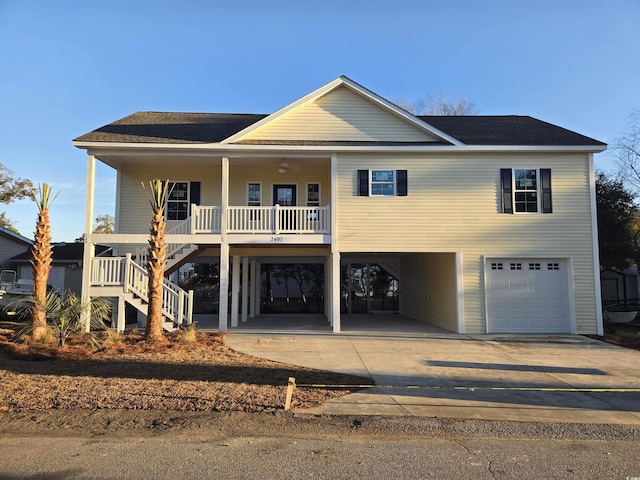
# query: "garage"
527,295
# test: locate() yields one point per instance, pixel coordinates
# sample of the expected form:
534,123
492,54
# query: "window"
553,266
515,266
313,194
382,183
496,266
181,195
254,195
526,190
534,266
178,201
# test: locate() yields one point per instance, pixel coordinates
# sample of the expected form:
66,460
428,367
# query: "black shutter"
363,183
194,192
507,190
545,180
401,183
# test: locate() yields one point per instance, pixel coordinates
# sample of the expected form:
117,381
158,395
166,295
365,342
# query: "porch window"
254,195
182,194
178,201
313,194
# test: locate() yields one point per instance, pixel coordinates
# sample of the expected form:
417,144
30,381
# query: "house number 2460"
276,239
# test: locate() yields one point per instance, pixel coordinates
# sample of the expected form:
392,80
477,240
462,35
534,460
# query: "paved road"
261,446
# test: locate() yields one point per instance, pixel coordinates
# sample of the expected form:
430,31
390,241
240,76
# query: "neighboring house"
620,286
66,266
11,244
487,222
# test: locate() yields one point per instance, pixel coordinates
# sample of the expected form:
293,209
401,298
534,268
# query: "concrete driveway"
425,371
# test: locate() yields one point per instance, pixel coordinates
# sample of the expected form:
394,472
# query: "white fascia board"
112,148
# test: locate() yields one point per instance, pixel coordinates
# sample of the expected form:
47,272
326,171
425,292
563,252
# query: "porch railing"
177,304
278,220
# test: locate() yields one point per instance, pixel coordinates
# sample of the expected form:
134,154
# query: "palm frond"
157,193
42,196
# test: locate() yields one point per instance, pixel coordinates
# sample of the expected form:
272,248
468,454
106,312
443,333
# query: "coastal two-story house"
488,223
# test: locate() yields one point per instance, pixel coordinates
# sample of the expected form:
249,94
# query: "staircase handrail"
177,304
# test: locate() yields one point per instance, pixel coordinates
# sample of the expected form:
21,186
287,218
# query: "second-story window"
178,201
382,183
181,196
254,195
526,190
313,194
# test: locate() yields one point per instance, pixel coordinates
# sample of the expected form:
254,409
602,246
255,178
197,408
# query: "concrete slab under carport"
436,362
317,322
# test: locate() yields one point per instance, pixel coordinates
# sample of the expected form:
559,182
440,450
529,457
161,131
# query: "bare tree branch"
438,104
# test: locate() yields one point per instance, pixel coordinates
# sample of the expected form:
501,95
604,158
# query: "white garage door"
527,296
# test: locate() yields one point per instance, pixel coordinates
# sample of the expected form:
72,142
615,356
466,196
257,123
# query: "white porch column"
121,320
334,257
89,250
235,290
327,289
335,291
245,287
257,286
223,305
255,289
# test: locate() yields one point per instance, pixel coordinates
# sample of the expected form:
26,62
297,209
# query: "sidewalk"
435,358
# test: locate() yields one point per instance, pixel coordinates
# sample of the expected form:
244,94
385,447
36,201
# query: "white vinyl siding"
342,114
455,205
135,213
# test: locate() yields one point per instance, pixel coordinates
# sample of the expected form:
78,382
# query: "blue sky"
68,67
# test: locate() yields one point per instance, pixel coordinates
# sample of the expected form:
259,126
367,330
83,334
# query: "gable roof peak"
368,94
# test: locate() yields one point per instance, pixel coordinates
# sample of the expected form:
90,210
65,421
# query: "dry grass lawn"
130,374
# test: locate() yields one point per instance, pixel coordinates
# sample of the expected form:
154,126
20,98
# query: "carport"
428,288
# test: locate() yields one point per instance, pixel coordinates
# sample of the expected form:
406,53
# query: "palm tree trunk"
155,268
41,262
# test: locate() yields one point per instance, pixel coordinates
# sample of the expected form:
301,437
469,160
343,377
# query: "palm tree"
41,257
157,195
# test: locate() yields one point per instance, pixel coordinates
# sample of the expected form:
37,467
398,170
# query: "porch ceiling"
159,158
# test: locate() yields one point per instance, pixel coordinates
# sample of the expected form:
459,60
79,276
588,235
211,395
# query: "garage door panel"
528,296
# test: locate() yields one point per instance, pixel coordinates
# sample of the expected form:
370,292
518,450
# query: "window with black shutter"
382,183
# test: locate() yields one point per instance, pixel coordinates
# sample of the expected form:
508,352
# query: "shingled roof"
172,127
189,128
506,130
63,252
